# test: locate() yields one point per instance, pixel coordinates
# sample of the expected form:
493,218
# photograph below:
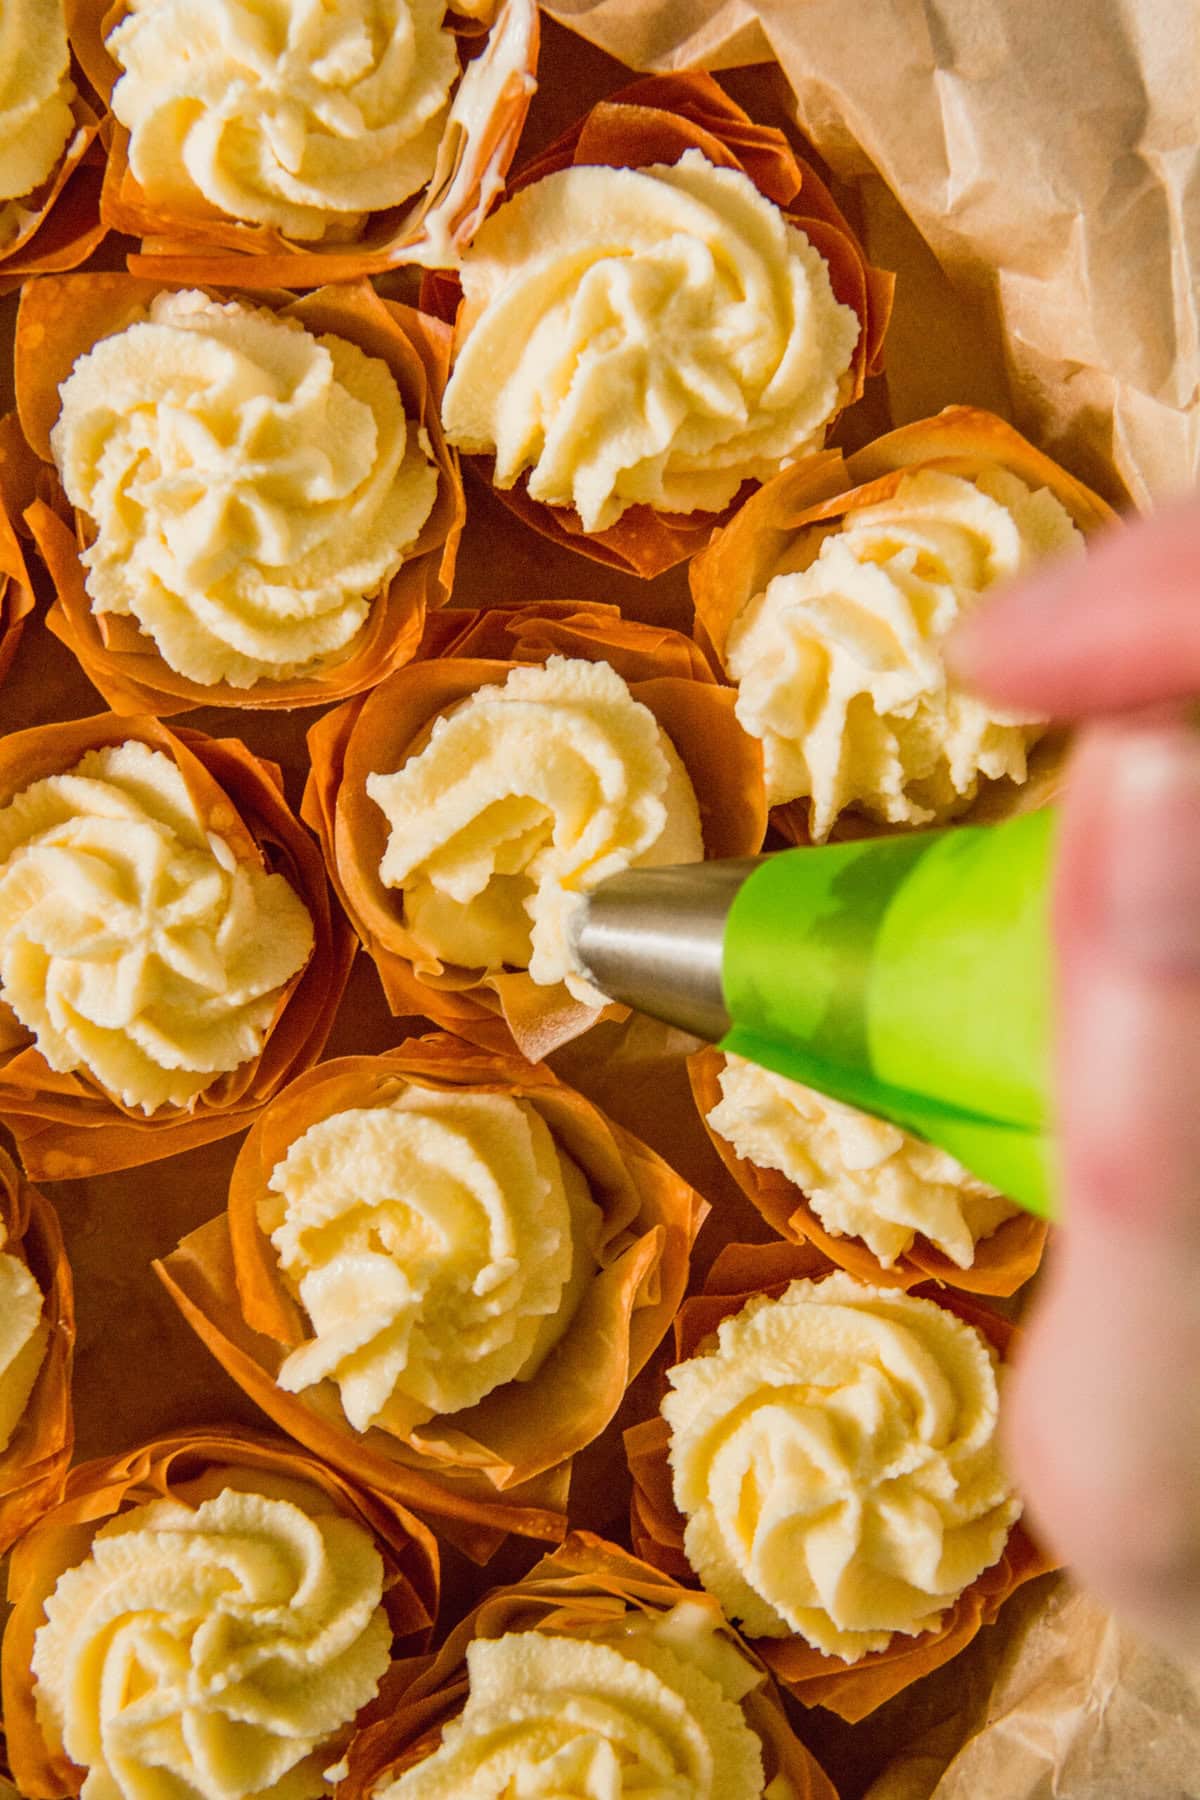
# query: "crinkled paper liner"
68,1125
16,588
850,1690
656,121
461,652
482,127
1003,1262
96,1491
586,1582
63,318
504,1464
763,540
34,1466
62,225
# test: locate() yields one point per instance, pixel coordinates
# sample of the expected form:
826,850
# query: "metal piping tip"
654,940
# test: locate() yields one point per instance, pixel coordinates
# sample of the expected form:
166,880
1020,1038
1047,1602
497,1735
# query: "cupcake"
213,1611
318,145
49,172
666,308
440,1269
264,506
37,1341
526,754
826,1464
167,953
879,1202
828,600
16,588
595,1674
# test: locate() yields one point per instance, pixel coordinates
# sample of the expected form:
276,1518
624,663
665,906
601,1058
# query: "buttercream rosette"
757,226
347,142
1003,1257
743,1276
187,844
463,654
564,1223
51,160
38,1333
16,588
588,1591
266,1596
341,492
844,683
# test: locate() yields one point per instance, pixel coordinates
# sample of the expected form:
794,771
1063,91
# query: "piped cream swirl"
836,1458
134,945
439,1246
252,486
653,336
839,665
214,1650
304,117
862,1176
24,1335
642,1707
525,797
35,102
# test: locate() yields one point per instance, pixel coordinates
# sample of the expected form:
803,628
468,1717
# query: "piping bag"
909,976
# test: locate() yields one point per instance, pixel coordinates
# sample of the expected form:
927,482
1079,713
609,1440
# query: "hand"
1104,1425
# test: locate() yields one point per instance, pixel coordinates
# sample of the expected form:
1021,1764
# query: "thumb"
1105,1416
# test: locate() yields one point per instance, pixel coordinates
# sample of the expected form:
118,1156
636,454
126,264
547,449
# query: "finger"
1119,628
1105,1417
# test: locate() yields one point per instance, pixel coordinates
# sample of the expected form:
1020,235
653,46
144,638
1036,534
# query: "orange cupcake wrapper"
68,1125
852,1691
97,1490
33,1468
484,123
585,1582
503,1464
461,652
1003,1262
16,588
63,226
60,320
654,121
746,553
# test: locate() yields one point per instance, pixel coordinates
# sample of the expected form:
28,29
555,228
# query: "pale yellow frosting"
836,1457
648,335
24,1334
133,944
304,117
252,486
641,1707
35,101
862,1176
214,1649
439,1246
839,664
525,797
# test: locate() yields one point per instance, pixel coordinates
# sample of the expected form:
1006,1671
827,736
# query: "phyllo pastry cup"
285,550
16,588
37,1334
441,1269
50,149
166,934
361,745
665,218
751,1277
302,163
588,1593
827,599
258,1595
909,1184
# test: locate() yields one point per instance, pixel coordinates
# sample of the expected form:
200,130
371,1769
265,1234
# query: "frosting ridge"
35,101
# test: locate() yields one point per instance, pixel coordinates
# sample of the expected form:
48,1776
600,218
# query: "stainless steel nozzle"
653,939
